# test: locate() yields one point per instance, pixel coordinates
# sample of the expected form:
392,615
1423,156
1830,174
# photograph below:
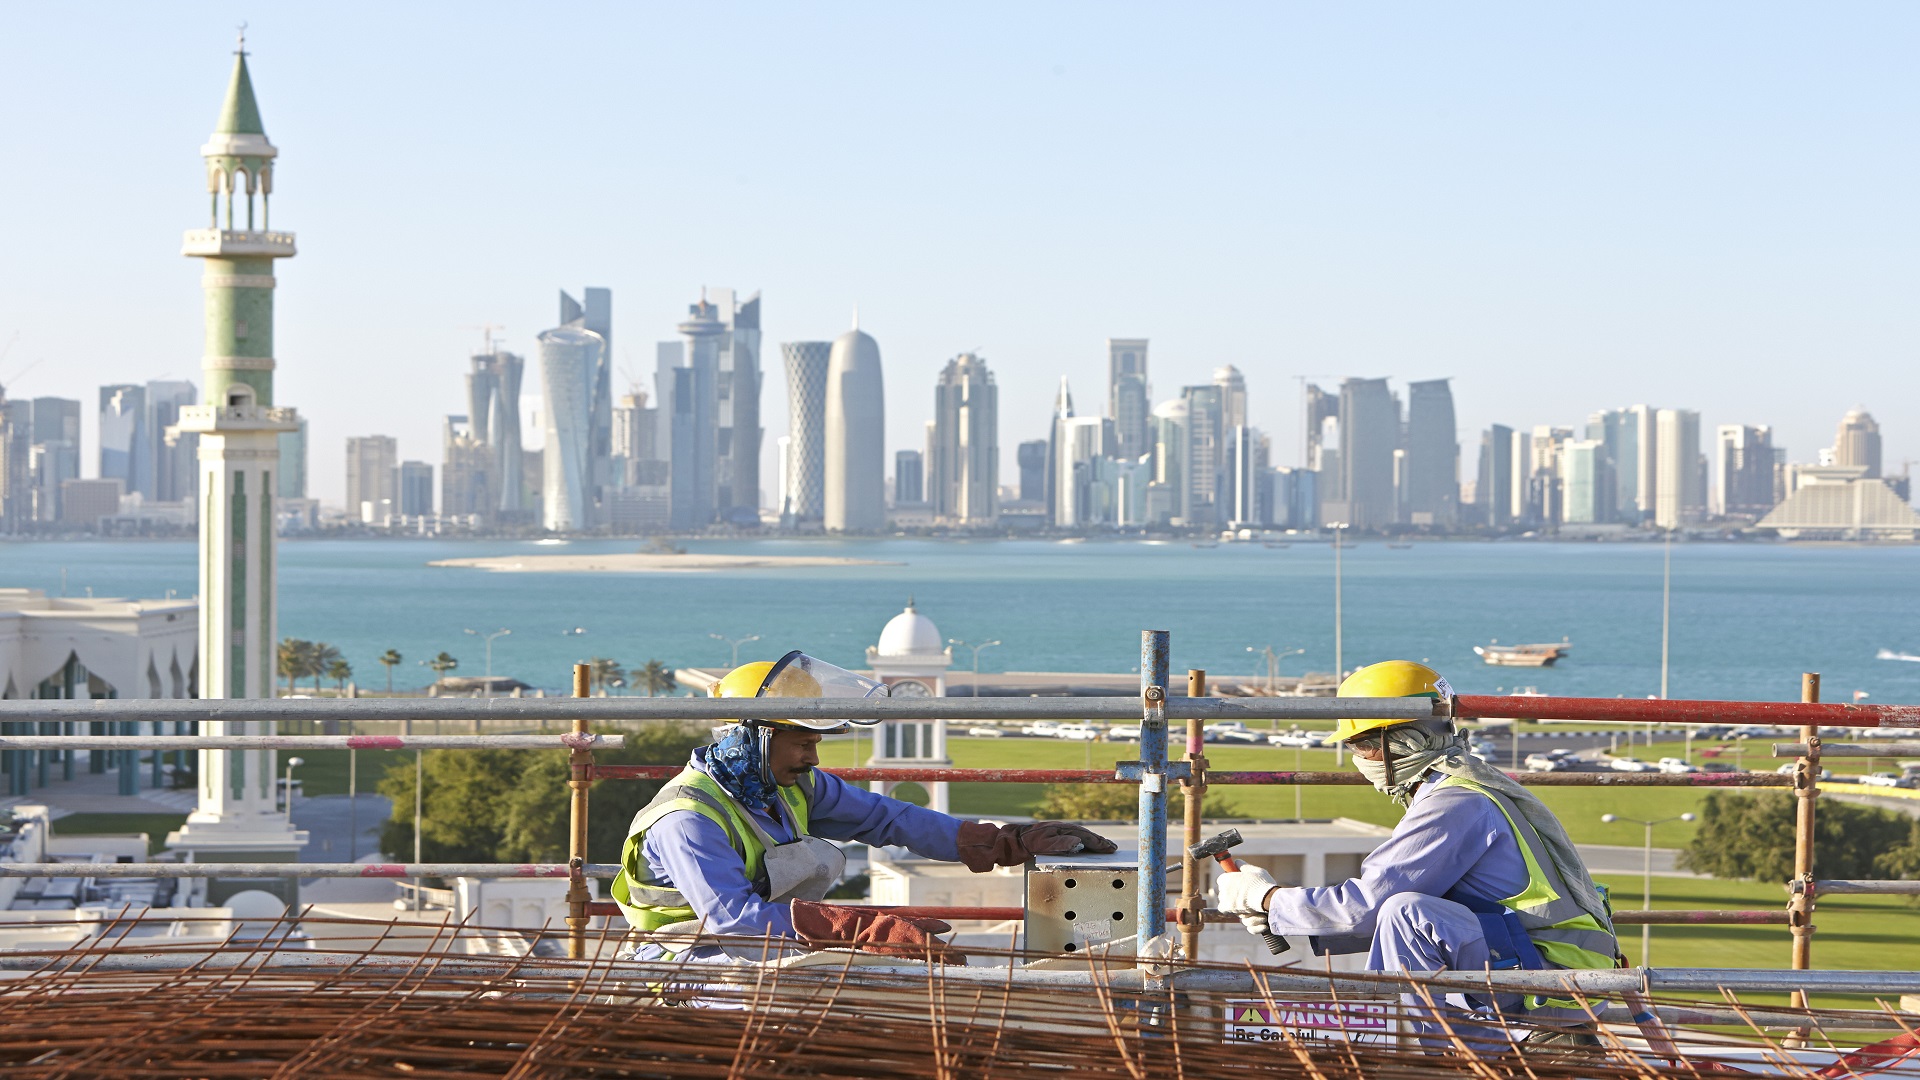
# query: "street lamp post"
734,643
1646,870
502,632
1339,658
976,658
292,764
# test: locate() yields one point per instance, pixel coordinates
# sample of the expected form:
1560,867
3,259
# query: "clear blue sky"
1564,207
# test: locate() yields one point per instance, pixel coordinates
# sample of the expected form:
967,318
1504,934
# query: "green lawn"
156,826
1579,808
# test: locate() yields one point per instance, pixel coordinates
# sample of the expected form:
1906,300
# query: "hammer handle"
1275,943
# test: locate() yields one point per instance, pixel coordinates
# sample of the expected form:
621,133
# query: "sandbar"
638,563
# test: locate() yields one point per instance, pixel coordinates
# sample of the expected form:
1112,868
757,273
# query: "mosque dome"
910,634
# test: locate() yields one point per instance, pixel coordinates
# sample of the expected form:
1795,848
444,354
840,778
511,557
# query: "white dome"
910,634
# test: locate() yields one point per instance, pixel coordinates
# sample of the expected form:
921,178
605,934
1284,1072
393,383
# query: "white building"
63,647
854,496
568,356
912,659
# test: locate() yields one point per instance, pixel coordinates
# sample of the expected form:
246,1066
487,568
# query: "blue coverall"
689,852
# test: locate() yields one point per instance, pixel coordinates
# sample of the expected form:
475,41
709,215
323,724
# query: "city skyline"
1786,266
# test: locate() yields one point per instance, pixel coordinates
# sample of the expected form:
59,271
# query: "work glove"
871,929
984,845
1244,893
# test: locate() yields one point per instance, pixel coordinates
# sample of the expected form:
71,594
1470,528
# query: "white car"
1675,765
1886,779
1076,732
986,732
1305,740
1543,763
1627,764
1124,733
1238,733
1483,750
1042,728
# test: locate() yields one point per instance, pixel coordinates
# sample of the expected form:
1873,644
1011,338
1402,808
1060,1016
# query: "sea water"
1746,618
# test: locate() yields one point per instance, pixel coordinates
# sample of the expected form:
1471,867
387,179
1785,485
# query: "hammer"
1216,848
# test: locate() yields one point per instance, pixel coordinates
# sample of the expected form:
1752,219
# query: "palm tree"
319,661
389,660
442,664
291,661
656,677
602,672
339,671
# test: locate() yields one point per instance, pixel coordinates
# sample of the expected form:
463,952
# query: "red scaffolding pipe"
1652,711
1103,776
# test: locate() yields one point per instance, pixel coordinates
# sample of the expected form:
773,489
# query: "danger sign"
1260,1021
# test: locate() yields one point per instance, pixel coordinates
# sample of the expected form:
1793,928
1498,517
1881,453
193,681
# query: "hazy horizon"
1564,209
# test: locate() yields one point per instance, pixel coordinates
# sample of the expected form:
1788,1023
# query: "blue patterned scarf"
737,764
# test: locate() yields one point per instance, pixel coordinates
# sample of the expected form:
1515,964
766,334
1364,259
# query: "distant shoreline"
637,563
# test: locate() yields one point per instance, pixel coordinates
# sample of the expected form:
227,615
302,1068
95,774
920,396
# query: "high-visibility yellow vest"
1566,935
650,903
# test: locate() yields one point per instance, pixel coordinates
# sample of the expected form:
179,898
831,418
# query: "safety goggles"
1369,743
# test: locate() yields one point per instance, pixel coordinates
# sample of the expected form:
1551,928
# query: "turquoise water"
1747,619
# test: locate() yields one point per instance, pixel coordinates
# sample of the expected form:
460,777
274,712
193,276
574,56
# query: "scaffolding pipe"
1190,915
1806,789
866,774
299,870
308,742
1653,711
1890,749
1863,886
1155,652
579,781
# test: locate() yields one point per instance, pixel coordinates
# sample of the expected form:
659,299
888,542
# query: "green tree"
320,660
655,677
390,660
602,673
339,671
1115,802
442,664
513,805
1751,836
291,659
1903,859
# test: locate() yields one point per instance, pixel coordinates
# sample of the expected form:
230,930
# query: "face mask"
738,763
1411,754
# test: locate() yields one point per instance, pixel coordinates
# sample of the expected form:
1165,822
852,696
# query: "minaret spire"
240,427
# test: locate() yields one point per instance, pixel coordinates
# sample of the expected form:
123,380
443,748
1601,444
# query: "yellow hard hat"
1388,679
797,675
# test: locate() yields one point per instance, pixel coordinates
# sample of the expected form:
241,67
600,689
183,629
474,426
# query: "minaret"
239,427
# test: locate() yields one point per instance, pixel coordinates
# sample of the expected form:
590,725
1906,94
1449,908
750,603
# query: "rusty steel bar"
1888,749
1353,779
1652,711
579,781
1806,789
306,742
1701,917
299,870
1675,917
1189,915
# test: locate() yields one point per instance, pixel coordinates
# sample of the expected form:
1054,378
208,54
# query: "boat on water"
1889,654
1400,547
1540,655
1273,545
1206,543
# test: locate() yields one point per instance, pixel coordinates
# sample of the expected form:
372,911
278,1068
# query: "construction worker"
1478,875
738,844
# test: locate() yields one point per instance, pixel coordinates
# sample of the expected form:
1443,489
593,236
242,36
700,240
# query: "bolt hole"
1070,883
1072,915
1119,915
1118,884
1072,947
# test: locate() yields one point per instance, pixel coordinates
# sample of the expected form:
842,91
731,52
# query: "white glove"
1243,893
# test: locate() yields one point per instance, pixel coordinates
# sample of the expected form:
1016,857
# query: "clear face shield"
797,675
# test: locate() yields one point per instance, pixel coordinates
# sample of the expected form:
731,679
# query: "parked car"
1482,749
1628,764
986,732
1886,779
1544,763
1676,765
1717,767
1711,731
1787,770
1124,733
1306,740
1752,731
1229,731
1042,728
1077,732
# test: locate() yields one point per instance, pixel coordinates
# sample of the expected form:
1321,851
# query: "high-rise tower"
239,428
1127,395
854,494
807,426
